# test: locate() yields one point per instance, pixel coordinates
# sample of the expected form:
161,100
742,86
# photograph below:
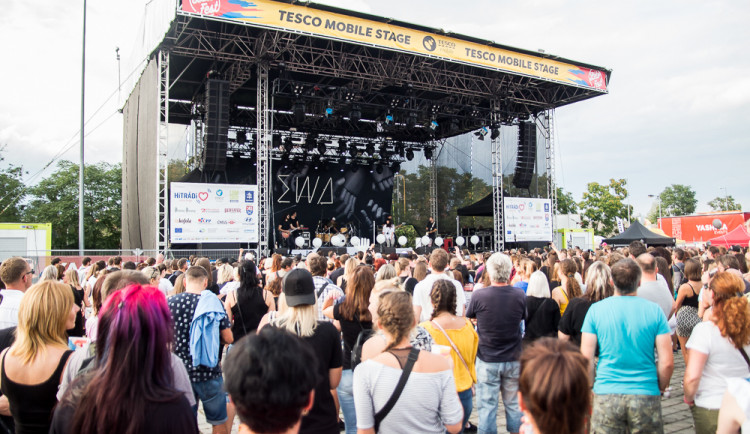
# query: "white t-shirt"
739,388
165,286
724,361
422,295
9,307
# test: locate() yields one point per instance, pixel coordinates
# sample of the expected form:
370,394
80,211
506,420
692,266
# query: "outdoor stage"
285,96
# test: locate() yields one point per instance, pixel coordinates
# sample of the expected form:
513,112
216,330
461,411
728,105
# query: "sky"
678,98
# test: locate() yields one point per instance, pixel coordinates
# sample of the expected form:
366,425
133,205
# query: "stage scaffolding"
265,65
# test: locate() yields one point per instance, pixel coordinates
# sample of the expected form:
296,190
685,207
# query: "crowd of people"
572,341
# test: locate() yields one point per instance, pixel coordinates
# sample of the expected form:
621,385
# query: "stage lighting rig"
384,153
495,132
411,119
388,118
395,167
298,89
342,146
409,154
321,146
288,144
310,142
370,149
481,133
428,153
276,141
353,150
433,125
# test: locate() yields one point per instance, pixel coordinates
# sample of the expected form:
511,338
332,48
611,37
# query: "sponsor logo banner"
527,219
299,18
210,218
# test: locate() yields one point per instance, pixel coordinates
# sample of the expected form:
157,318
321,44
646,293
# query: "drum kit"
332,236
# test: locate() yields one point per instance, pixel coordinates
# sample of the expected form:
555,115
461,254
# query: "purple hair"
133,363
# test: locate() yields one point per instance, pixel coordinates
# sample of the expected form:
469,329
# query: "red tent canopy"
738,236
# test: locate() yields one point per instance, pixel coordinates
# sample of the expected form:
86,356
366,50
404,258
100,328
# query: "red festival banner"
700,228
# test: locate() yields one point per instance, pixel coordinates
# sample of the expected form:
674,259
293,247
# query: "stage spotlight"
411,119
321,147
299,112
288,144
353,149
370,149
329,111
409,154
298,88
241,137
388,118
384,153
395,167
495,132
355,114
399,149
481,133
428,153
342,146
433,125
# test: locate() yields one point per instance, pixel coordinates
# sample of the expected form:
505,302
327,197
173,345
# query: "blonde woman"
31,369
179,285
70,278
386,272
50,273
301,318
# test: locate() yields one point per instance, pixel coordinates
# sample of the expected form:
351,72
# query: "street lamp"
658,197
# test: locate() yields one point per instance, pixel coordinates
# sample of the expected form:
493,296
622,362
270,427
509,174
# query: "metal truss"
497,193
263,135
548,130
433,189
162,145
370,69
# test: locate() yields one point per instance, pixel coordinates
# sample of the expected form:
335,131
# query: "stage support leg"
162,144
264,144
549,150
433,189
497,187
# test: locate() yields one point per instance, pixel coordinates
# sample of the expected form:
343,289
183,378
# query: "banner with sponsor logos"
527,219
213,213
300,18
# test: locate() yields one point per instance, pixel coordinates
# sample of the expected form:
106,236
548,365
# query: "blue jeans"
346,400
466,402
491,378
211,393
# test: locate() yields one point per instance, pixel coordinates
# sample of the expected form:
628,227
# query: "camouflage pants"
627,414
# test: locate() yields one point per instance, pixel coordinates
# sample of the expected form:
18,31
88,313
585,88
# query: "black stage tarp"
638,232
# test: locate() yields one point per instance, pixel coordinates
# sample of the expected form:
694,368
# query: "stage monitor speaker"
387,250
282,251
217,125
526,157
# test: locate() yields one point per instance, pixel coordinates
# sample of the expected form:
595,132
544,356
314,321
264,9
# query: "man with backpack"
678,269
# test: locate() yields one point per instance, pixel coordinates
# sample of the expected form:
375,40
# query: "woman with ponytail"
459,335
569,287
718,349
428,402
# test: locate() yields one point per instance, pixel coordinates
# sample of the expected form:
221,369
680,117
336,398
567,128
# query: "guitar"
285,233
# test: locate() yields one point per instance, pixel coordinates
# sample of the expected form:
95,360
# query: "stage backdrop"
359,198
527,219
213,213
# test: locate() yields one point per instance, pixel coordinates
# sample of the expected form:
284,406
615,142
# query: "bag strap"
452,345
744,356
320,291
380,415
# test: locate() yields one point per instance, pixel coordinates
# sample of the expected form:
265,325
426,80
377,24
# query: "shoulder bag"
380,415
454,347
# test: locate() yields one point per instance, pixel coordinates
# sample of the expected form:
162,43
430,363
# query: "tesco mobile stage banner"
213,213
302,19
527,219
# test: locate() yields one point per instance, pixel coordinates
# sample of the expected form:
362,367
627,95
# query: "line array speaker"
217,124
526,157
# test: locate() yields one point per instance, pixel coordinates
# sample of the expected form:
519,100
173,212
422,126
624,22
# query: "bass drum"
326,238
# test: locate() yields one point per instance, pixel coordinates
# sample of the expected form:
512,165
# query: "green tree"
676,199
565,202
12,192
55,200
602,203
725,203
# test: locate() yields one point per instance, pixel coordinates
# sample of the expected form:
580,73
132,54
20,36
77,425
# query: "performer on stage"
389,231
431,230
332,226
285,232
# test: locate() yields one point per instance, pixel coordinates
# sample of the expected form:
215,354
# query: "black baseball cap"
298,288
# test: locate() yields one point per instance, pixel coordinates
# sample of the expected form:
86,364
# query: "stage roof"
397,77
